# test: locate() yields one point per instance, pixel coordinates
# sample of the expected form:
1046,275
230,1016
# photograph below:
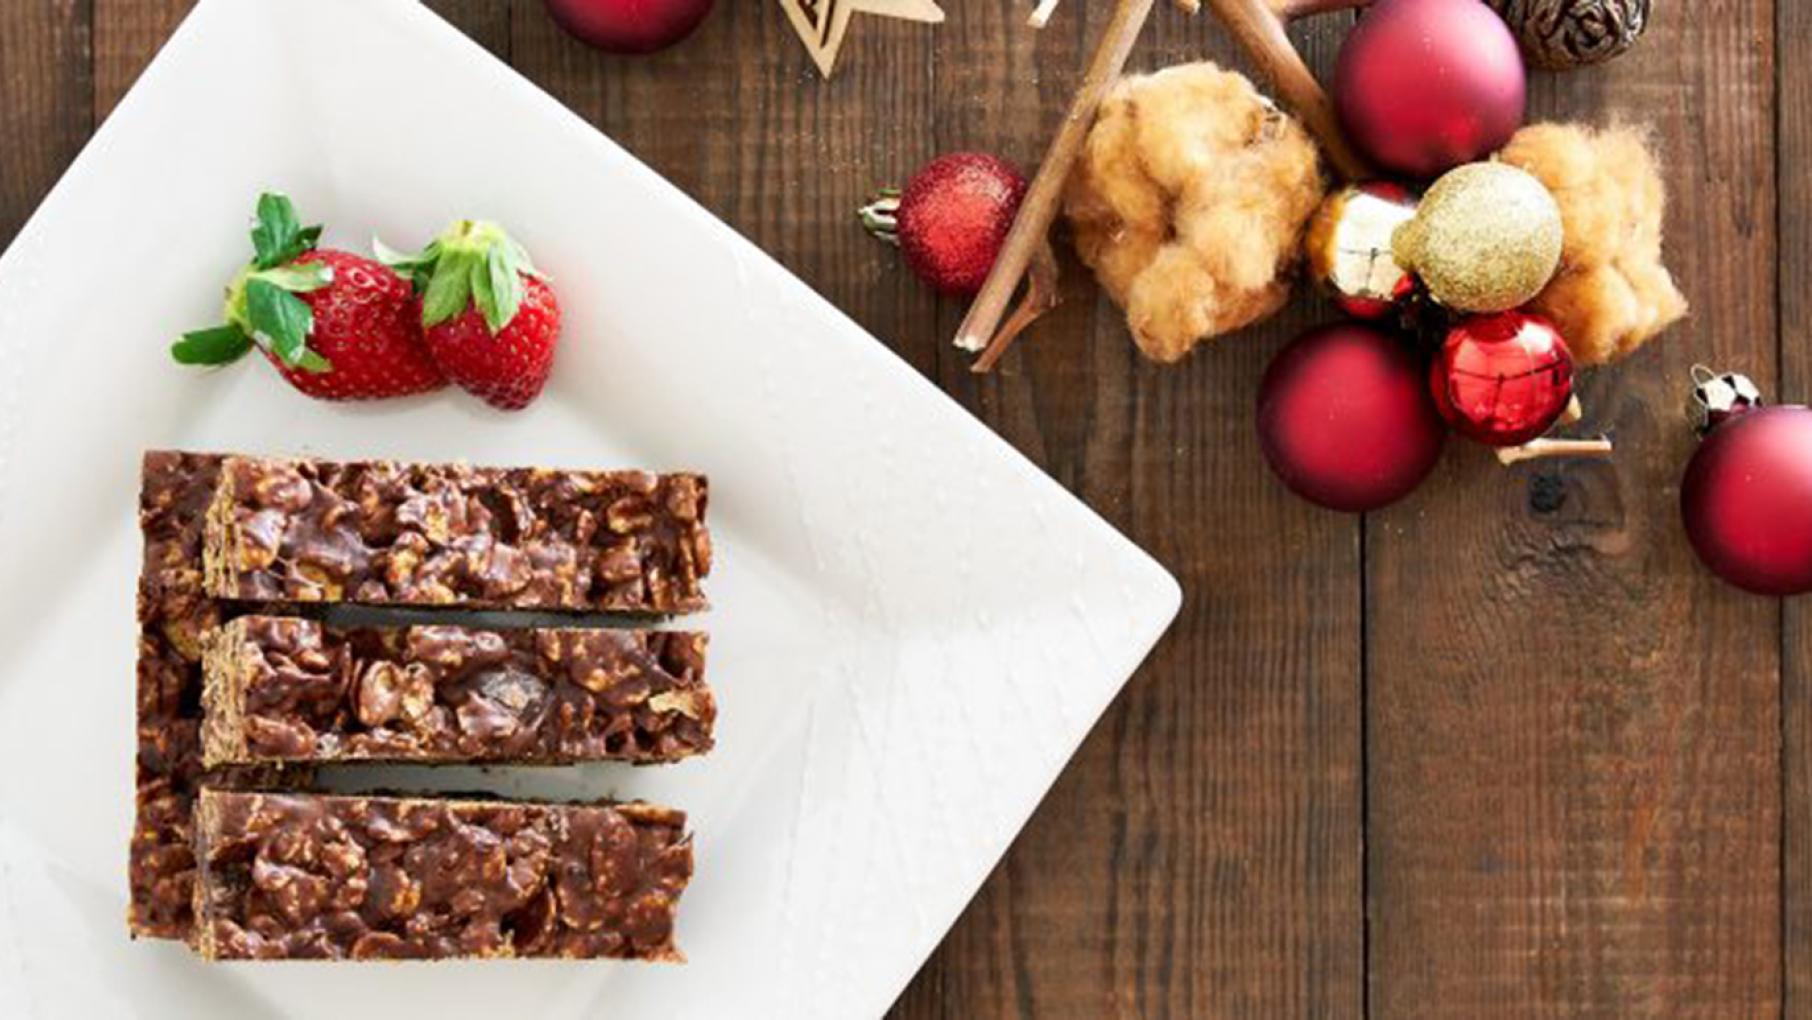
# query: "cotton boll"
1613,293
1189,202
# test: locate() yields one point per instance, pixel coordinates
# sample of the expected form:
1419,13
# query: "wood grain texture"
127,34
1574,755
46,101
1201,855
1794,21
1574,776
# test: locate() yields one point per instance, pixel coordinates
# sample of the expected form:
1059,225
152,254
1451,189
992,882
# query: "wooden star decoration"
823,24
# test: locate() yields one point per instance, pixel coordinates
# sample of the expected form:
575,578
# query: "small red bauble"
1502,379
1345,419
1423,86
629,26
953,219
1747,500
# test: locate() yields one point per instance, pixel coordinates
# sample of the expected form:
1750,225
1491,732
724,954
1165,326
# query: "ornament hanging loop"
1718,397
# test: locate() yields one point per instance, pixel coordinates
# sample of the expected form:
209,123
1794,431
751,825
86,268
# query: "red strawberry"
952,219
490,320
338,326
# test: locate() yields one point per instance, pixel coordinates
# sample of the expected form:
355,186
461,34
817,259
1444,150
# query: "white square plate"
913,630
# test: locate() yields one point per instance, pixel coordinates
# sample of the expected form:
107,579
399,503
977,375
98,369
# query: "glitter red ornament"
1423,86
629,26
1345,419
1502,379
1747,498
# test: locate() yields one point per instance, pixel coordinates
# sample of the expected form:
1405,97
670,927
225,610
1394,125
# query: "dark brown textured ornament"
1561,34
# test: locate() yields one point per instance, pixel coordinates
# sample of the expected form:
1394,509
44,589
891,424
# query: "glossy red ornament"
1345,419
1747,500
629,26
1423,86
1502,379
1348,245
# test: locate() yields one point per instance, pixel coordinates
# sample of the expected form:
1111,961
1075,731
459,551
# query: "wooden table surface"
1501,750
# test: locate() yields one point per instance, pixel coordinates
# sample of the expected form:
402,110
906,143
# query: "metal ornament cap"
1718,397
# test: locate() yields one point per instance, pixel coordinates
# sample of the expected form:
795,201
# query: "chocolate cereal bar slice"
314,876
395,534
283,689
174,614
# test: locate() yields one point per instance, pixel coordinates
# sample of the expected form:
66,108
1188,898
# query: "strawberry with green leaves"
336,325
489,318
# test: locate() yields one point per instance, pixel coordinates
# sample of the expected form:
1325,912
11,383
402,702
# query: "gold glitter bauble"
1486,238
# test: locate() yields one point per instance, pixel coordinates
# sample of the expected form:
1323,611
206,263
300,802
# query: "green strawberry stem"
262,308
475,263
881,216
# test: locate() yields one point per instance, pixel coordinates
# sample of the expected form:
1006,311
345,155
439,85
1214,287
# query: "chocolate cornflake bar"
281,689
312,876
385,533
173,615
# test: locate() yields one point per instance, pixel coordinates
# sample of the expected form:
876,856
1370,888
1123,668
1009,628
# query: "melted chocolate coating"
306,876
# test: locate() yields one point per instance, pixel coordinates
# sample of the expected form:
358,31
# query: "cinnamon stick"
1041,297
1543,448
1574,413
1258,26
1033,224
1290,10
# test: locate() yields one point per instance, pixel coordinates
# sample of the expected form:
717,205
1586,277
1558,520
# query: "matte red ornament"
1747,500
1502,379
629,26
1423,86
1345,419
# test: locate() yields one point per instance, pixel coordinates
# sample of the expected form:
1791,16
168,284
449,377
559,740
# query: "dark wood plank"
1201,855
46,112
1794,22
487,21
1575,792
1574,744
127,34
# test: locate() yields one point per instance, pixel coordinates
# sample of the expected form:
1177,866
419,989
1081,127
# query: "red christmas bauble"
1345,419
1502,379
1423,86
629,26
1747,500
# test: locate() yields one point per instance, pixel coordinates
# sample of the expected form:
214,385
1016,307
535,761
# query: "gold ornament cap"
1486,238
